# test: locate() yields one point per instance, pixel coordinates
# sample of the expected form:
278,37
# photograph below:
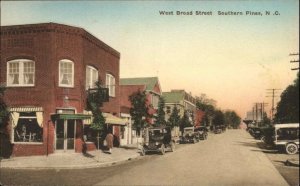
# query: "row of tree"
288,106
140,113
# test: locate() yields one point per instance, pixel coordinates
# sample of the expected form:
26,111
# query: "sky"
232,59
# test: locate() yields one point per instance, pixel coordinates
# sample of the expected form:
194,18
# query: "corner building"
47,69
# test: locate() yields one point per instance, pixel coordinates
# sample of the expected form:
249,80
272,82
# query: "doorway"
65,135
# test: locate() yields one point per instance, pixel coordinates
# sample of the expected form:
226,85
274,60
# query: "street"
230,158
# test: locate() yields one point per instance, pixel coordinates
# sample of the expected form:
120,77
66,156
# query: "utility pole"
295,61
273,93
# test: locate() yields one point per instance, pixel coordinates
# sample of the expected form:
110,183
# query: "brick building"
47,69
127,87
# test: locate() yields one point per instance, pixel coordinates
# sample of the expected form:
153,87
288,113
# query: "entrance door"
65,135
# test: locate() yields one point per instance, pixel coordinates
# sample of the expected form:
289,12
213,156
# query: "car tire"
291,148
162,149
263,139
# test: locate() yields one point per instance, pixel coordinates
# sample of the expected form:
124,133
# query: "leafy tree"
160,118
209,110
3,108
288,106
185,121
232,119
139,110
94,102
174,119
219,118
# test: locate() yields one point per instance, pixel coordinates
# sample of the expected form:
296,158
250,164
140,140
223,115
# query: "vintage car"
218,130
189,135
158,139
287,137
202,132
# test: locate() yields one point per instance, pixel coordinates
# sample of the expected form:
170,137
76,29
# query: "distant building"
48,69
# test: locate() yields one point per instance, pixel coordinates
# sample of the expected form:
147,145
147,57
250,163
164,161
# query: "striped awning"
25,109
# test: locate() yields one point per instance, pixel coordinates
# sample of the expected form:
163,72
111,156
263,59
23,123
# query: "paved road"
230,158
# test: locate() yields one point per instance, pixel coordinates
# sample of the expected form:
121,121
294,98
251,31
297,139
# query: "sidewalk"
92,159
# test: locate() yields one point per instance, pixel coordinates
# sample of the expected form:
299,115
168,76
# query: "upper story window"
154,100
110,84
20,72
66,73
91,77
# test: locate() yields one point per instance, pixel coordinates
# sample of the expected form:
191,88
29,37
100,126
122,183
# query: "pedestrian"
109,141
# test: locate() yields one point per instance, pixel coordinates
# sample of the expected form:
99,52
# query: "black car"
158,139
202,132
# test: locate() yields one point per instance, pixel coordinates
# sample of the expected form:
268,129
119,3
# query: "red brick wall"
125,92
46,44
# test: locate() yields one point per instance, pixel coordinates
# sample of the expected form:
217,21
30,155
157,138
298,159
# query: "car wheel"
172,146
291,148
143,151
162,149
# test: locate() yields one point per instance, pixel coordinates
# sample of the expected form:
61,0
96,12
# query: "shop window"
91,77
66,73
90,134
122,134
20,72
28,126
110,84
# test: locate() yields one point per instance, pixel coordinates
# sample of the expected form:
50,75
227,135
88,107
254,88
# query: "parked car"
158,139
287,137
202,132
189,135
218,130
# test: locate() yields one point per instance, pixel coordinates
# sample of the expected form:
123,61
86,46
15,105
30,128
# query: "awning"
70,116
25,109
109,119
113,120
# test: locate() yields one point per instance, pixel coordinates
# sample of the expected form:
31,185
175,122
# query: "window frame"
111,92
21,73
90,83
59,73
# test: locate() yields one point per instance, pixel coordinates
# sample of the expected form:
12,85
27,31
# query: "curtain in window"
39,118
15,118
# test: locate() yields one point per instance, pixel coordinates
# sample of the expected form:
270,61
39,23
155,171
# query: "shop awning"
70,116
113,120
109,119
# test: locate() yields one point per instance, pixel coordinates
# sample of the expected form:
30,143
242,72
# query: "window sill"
28,143
20,86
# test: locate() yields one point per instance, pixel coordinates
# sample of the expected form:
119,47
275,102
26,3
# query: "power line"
273,95
294,61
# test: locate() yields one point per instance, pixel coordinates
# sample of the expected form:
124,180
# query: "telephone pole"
295,61
274,94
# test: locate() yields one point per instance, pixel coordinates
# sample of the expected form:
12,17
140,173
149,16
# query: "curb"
94,165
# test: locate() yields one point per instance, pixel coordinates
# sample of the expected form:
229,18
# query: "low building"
48,70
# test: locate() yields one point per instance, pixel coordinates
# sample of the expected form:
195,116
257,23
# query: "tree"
288,106
185,122
139,110
219,118
3,108
232,119
94,102
208,107
174,119
160,118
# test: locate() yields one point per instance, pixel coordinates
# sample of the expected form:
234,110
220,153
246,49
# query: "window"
155,100
66,73
20,72
27,126
110,84
91,77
